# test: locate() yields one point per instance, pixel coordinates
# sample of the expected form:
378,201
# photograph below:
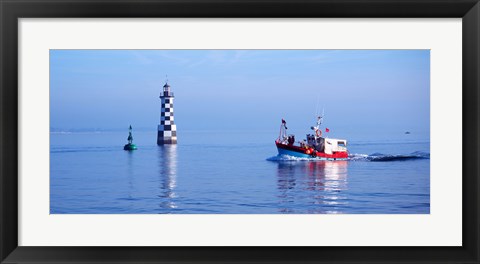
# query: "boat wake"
376,157
388,157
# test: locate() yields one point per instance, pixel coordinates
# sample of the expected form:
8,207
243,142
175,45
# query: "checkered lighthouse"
167,130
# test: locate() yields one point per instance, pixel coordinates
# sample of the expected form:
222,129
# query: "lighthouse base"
164,140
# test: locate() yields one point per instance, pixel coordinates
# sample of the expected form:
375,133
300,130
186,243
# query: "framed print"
220,131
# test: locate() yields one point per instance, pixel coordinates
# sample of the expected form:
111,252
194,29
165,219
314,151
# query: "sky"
358,90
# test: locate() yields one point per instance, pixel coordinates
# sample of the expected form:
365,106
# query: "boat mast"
316,128
283,130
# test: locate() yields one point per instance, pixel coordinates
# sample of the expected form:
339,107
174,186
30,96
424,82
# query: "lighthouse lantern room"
167,130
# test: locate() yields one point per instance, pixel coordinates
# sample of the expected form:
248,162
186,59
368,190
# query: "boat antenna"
320,118
318,103
323,112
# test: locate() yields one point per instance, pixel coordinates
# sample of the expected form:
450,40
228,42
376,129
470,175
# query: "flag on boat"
327,130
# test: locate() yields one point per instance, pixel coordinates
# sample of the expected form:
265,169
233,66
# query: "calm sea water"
234,173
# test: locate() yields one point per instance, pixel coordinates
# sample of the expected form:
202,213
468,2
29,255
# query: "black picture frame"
12,10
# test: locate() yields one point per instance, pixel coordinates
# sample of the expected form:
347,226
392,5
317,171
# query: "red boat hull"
308,152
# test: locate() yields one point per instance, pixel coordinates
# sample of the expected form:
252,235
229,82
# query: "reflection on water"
319,184
167,159
130,174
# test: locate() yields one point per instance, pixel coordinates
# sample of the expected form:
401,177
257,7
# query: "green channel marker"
130,145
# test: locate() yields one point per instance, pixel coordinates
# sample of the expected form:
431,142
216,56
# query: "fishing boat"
315,146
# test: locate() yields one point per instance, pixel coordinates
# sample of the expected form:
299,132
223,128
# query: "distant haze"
371,91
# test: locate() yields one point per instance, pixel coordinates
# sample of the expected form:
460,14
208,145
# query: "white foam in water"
356,156
284,157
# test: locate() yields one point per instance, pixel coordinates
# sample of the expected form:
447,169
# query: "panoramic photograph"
239,131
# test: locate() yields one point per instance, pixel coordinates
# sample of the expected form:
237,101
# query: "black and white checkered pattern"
167,130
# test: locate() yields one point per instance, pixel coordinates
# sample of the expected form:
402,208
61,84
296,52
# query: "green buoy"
130,145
